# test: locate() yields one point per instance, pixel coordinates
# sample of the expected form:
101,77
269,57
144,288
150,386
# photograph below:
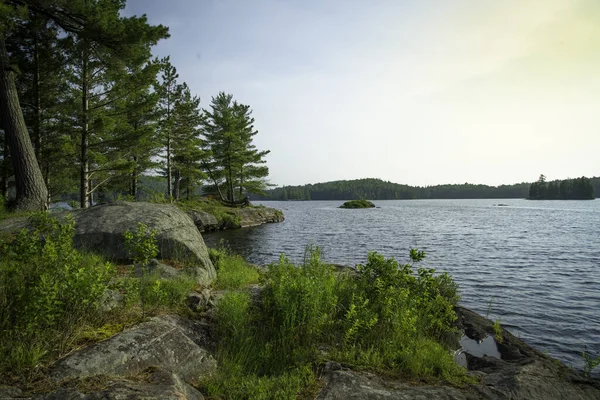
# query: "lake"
536,262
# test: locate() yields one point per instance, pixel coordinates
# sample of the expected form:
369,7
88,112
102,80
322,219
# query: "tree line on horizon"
377,189
86,108
566,189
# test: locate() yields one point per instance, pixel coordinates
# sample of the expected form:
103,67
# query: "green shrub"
142,244
393,317
47,290
384,316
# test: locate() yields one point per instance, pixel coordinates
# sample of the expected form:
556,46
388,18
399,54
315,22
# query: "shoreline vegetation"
272,346
271,332
377,189
567,189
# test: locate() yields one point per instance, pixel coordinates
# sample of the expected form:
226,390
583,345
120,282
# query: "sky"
419,92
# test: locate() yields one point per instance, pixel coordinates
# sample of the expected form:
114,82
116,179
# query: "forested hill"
377,189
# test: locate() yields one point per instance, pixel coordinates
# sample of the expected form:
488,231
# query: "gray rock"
204,221
250,216
155,266
160,385
100,229
198,302
9,392
347,385
240,218
166,342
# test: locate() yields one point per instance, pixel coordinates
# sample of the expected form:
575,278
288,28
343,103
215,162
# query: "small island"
358,204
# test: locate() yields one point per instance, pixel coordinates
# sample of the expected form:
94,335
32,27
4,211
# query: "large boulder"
166,342
204,221
100,229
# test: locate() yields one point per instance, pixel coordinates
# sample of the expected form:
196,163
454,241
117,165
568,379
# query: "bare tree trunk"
37,127
134,179
32,193
85,166
4,167
169,172
177,186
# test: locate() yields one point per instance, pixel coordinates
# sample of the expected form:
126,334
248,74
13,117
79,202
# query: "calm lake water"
538,263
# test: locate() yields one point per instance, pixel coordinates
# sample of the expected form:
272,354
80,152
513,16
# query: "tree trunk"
169,177
4,166
37,125
134,179
169,173
85,166
177,186
32,193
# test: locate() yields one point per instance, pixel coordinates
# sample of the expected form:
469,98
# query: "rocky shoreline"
166,356
240,218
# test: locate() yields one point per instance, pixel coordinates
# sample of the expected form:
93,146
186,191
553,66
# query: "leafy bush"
47,290
393,317
142,244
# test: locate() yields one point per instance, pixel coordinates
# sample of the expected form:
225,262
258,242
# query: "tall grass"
233,272
387,316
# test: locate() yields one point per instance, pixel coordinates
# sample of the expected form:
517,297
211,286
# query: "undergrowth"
386,316
54,297
233,271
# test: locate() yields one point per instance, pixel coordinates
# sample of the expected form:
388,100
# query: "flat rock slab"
166,342
160,385
348,385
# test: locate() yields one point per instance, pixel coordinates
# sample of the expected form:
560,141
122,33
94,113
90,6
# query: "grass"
358,204
233,272
390,318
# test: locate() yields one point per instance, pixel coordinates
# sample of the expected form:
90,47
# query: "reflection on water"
539,260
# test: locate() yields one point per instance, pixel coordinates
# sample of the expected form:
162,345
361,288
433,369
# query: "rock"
237,218
155,266
204,221
198,302
347,385
521,373
159,385
254,216
9,392
167,342
100,229
110,300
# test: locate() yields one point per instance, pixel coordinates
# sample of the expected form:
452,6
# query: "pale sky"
419,92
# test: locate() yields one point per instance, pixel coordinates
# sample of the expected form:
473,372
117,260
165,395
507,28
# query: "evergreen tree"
235,165
186,143
169,92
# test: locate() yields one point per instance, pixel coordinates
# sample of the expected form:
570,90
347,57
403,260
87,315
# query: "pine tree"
187,144
169,92
235,165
